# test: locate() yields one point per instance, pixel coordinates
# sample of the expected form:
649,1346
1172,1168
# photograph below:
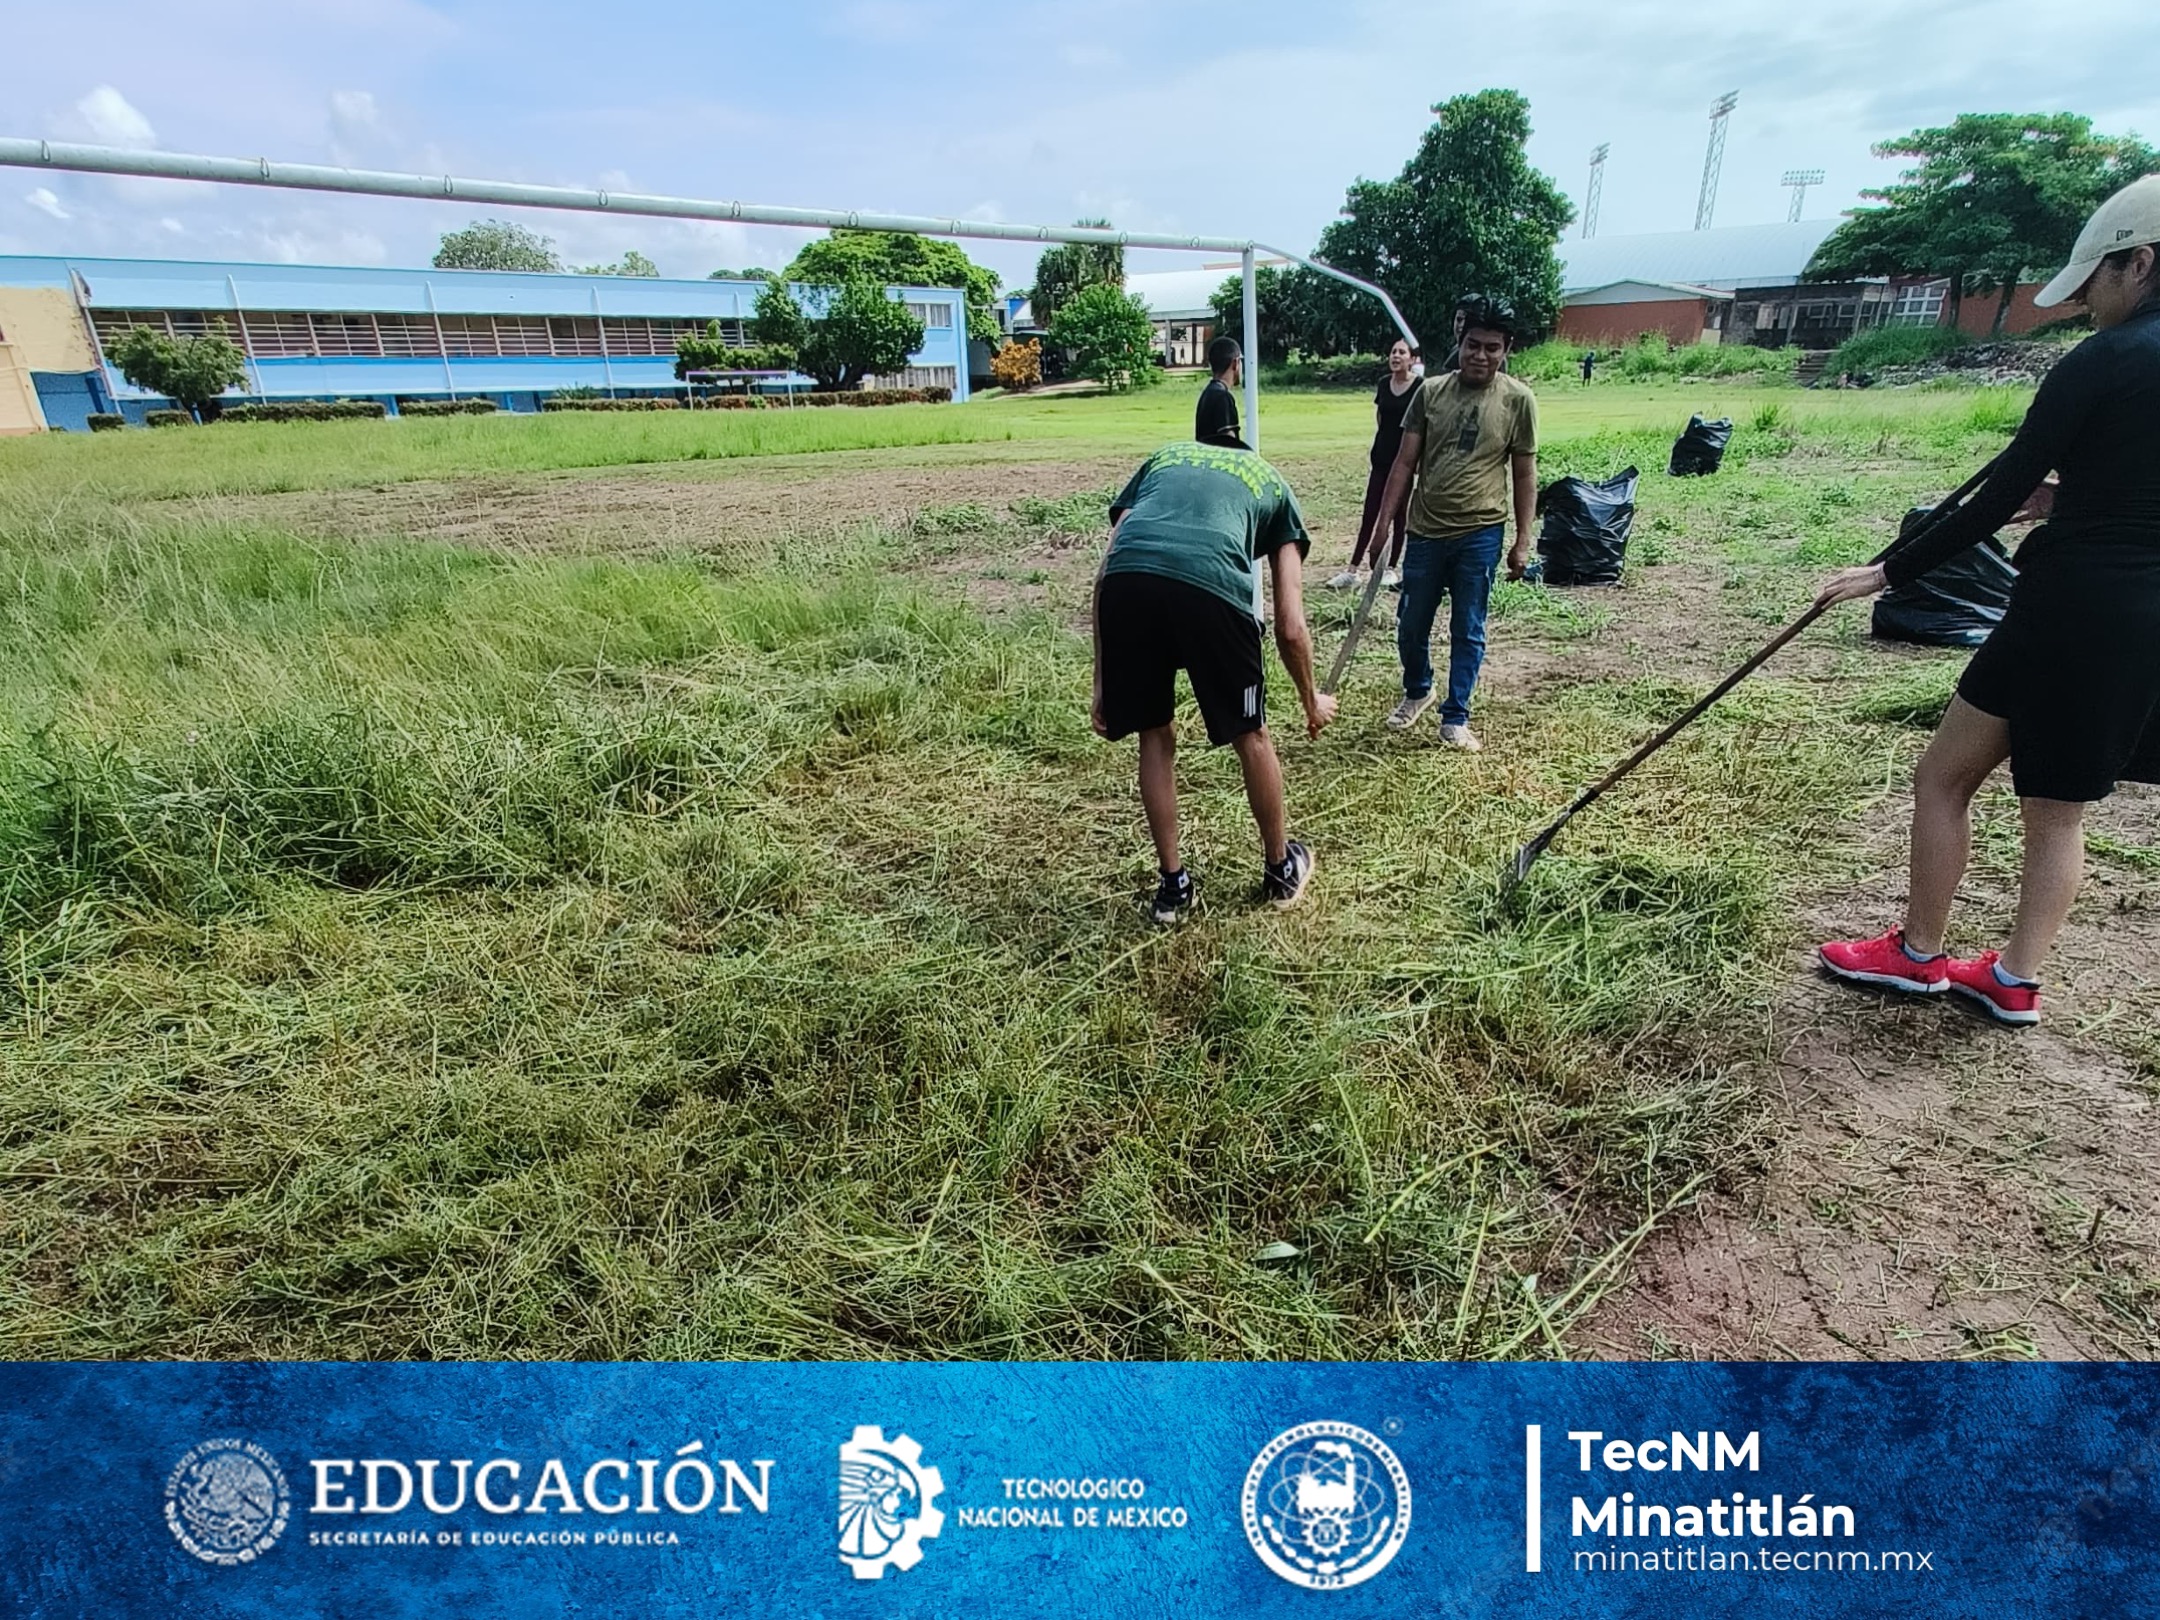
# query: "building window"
1920,304
935,317
915,377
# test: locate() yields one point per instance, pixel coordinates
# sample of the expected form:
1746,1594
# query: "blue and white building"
323,332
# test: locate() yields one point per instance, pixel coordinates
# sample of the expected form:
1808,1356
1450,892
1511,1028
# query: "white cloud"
43,200
113,119
173,225
353,112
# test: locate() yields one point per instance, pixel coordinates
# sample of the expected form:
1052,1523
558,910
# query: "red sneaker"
1885,962
2005,1003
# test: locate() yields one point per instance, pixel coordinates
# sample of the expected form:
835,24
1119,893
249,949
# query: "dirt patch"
1938,1186
663,511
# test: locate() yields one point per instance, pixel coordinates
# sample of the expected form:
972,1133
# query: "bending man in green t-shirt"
1176,591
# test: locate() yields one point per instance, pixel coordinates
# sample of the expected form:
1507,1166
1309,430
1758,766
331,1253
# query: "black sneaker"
1174,898
1285,885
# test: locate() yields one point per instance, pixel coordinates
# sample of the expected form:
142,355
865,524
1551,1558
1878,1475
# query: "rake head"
1527,856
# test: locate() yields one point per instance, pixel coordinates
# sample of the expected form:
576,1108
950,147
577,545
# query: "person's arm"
1293,639
1524,467
2058,415
1399,476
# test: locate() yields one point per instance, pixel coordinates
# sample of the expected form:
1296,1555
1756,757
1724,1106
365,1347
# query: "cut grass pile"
413,952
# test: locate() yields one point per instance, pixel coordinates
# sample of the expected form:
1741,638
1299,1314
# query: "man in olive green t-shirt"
1471,444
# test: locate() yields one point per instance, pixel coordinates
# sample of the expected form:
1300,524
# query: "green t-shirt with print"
1205,515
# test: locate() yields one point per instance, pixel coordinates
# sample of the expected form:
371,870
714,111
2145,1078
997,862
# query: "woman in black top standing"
2067,688
1392,399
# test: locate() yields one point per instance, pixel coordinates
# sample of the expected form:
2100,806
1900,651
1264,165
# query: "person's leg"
1422,583
1469,564
1158,792
1967,747
1368,525
1264,791
2054,866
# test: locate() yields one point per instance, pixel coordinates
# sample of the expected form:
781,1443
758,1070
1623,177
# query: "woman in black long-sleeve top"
2067,688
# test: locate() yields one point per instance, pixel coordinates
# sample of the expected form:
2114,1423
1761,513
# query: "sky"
1200,116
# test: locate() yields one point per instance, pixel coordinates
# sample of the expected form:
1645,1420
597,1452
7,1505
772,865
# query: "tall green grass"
271,457
415,953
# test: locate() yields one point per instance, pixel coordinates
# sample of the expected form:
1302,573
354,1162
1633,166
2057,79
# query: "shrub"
1894,346
1110,336
1018,366
306,410
105,422
446,407
709,351
1329,371
163,419
191,371
569,401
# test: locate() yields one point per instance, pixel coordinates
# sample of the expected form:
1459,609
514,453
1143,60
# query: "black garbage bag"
1954,604
1584,539
1701,447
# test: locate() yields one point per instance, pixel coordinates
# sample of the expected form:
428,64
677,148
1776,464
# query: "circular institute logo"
1326,1505
227,1502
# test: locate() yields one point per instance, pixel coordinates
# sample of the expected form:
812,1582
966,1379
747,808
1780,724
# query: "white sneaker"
1394,579
1344,581
1407,712
1460,737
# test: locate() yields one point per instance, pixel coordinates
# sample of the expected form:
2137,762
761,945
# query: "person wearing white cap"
2067,688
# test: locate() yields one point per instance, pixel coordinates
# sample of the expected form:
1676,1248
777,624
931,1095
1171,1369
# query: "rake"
1357,629
1527,856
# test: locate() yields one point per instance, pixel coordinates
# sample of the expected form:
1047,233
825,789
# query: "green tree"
1468,214
856,332
710,350
632,263
1064,270
900,259
777,320
496,244
1990,198
191,372
1274,291
1109,336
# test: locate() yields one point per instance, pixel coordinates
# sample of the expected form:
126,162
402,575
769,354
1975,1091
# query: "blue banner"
1075,1491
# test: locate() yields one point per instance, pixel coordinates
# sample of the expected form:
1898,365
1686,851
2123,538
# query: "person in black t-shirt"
1215,421
1392,400
2067,686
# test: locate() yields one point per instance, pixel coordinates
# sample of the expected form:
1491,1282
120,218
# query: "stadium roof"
1725,258
1172,293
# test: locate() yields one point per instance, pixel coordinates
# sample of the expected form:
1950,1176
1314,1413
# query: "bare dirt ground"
1930,1185
670,509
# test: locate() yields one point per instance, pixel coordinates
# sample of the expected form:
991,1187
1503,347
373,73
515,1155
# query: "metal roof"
1727,257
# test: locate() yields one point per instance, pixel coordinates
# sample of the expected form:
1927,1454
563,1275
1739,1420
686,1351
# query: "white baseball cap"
2130,218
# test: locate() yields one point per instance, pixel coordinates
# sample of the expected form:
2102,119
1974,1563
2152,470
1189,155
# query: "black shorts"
1151,628
2074,668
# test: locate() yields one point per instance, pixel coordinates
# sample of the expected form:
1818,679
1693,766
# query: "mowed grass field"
419,948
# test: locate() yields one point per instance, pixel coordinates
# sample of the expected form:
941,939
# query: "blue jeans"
1462,569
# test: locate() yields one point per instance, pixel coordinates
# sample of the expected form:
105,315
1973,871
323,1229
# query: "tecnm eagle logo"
226,1502
887,1503
1326,1505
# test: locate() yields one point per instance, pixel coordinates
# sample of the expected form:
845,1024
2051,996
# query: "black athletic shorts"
2074,668
1151,628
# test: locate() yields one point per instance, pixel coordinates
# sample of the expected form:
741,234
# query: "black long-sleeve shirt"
2095,423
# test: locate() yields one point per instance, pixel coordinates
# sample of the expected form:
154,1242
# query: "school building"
324,332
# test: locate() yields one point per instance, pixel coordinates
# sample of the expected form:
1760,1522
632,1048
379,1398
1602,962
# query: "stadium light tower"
1596,193
1714,158
1800,180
